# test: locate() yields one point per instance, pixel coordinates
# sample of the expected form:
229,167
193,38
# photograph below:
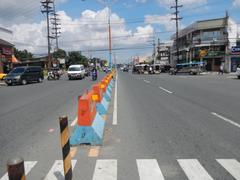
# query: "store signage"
7,51
235,50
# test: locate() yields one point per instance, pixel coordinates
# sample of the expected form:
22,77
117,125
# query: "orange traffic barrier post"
86,109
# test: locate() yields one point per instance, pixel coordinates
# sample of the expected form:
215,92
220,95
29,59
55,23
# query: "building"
6,50
163,54
208,41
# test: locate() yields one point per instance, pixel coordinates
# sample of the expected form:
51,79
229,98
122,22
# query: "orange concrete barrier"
97,93
103,86
86,109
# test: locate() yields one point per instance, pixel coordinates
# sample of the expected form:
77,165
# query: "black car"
24,75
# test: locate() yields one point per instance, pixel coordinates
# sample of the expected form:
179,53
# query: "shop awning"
15,60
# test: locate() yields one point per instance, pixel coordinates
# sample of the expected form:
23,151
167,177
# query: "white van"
76,72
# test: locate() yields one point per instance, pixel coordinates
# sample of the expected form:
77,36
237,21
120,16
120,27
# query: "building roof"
201,25
5,43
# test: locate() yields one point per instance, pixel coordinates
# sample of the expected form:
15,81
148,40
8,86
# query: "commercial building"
209,41
7,57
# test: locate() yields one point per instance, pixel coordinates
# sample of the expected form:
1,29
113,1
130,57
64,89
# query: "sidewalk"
2,83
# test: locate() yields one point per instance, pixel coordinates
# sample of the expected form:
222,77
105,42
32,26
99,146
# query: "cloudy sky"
84,23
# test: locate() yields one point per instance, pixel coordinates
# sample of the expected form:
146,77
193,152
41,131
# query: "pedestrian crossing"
148,169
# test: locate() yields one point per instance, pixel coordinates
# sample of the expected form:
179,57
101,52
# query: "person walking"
221,69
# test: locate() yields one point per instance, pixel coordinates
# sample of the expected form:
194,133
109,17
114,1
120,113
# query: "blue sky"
84,23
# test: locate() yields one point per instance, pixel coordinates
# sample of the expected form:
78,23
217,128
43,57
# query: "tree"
23,55
60,53
75,57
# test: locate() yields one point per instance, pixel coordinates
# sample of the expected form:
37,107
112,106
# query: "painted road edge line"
170,92
146,81
115,102
226,119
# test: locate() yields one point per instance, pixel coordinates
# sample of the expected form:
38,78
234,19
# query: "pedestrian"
221,68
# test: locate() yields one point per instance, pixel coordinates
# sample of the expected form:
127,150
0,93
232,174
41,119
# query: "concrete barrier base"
89,134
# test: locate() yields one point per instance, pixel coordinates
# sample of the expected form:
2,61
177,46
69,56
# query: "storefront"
6,56
235,58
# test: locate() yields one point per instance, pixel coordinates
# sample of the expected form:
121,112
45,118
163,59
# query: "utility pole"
154,50
47,8
110,37
177,18
158,50
56,26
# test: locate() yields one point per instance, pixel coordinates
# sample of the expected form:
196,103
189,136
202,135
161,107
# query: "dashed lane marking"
146,81
226,119
94,151
170,92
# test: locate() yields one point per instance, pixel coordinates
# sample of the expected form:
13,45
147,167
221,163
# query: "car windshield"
74,69
17,71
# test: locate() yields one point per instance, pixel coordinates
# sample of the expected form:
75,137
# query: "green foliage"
76,57
60,53
23,55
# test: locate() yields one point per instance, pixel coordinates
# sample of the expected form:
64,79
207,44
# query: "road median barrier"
92,105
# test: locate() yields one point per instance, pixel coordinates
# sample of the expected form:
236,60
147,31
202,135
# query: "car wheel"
24,81
238,77
40,80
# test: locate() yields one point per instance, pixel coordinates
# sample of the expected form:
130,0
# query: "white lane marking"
74,122
56,172
105,170
146,81
194,170
170,92
226,119
115,103
149,169
28,165
232,166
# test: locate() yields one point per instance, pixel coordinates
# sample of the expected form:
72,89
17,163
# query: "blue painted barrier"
89,134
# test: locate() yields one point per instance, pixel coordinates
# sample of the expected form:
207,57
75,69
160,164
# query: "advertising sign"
235,50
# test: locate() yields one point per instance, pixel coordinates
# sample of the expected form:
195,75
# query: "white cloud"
186,3
15,11
164,20
236,3
89,31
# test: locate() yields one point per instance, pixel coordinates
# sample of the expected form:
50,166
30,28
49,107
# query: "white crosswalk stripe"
194,170
105,170
232,166
56,172
28,165
149,169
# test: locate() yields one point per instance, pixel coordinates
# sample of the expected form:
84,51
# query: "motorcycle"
53,75
94,75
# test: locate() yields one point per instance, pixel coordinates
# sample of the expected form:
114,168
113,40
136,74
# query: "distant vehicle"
24,75
54,74
76,72
189,68
238,72
87,71
156,69
125,69
141,69
2,76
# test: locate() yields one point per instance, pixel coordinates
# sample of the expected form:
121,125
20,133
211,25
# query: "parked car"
2,76
238,72
24,75
76,72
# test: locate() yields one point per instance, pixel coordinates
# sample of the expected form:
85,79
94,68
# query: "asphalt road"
168,127
167,130
29,125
